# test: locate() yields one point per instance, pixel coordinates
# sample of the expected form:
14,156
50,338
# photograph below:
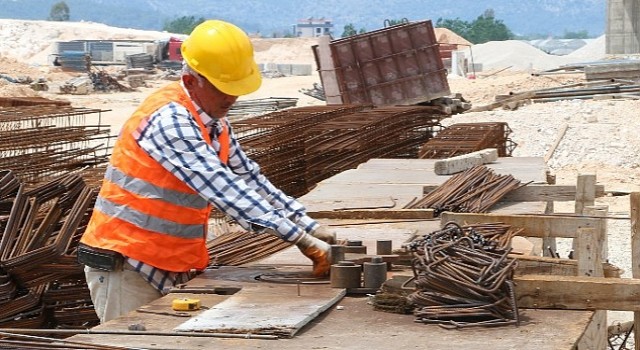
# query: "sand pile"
284,50
521,56
446,36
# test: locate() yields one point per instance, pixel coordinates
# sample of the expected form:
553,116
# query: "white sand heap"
521,56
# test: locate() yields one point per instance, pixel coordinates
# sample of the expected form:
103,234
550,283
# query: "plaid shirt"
238,189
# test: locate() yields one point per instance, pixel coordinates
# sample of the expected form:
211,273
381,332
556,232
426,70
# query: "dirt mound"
446,36
284,50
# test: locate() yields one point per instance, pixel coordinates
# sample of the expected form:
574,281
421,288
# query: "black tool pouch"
101,259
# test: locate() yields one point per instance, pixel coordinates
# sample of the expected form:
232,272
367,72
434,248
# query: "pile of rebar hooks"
463,279
474,190
41,282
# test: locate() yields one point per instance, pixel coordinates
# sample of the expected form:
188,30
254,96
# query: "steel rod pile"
276,142
260,106
474,190
463,138
462,280
386,132
241,247
41,280
41,142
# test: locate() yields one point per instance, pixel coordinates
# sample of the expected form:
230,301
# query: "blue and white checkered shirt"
238,189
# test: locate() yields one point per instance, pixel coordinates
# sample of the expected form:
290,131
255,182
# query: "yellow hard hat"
222,53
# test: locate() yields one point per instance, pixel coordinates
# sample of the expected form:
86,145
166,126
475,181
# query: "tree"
182,25
484,28
349,30
457,25
59,12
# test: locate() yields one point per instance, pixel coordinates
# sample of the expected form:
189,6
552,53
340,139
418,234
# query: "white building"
313,27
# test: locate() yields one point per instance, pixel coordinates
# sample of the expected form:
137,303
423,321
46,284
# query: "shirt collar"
206,119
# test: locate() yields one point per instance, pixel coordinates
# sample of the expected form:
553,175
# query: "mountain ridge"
532,17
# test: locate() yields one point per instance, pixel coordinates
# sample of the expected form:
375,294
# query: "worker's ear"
189,81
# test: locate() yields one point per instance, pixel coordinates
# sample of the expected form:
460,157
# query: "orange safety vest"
145,212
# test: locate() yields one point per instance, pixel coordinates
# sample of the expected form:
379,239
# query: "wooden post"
589,256
585,195
635,256
601,211
585,191
549,247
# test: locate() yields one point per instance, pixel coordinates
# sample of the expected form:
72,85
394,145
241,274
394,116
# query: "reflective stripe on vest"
148,222
148,190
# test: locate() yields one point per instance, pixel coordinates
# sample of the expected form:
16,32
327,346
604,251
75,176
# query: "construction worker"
174,159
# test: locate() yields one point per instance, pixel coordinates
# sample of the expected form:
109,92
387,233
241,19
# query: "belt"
101,259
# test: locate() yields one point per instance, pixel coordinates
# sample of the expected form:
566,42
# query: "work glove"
324,234
318,251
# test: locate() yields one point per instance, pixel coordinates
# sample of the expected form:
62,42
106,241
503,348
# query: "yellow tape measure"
185,304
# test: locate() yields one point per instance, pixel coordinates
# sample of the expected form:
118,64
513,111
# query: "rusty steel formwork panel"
386,132
464,138
398,65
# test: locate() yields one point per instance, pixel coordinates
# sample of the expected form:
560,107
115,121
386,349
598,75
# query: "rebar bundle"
276,141
249,108
464,138
387,132
41,142
241,247
474,190
462,279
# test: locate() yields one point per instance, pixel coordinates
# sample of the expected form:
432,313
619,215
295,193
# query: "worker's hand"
318,251
324,234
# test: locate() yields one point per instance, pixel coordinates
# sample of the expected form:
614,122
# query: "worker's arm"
172,137
250,172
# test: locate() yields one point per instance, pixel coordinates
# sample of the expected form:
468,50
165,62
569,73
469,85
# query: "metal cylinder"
345,274
375,272
384,247
337,253
354,246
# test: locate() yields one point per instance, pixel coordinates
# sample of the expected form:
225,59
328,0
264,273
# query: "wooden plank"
514,98
263,308
533,225
635,255
586,293
357,326
160,322
536,193
420,171
588,252
585,192
553,147
542,265
373,214
589,255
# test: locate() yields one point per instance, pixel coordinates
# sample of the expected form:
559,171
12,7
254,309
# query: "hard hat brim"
245,86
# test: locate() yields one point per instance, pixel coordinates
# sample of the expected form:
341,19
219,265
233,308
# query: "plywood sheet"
280,309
